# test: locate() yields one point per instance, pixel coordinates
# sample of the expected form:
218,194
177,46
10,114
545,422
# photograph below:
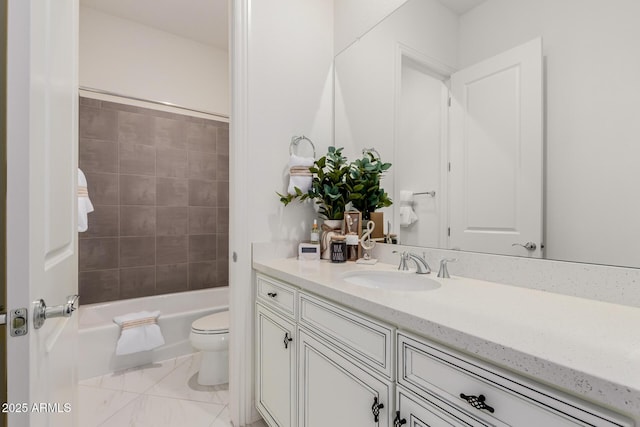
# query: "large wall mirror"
393,86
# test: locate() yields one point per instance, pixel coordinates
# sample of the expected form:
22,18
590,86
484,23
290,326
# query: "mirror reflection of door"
481,152
496,149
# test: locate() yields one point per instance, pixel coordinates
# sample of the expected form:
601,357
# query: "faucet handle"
444,272
404,257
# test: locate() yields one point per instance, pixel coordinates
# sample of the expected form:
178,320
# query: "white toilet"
210,335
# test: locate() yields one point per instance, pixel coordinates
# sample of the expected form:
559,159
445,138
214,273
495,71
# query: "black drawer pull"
272,294
477,402
397,422
375,409
287,340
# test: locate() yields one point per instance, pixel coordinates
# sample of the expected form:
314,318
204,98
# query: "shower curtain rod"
150,101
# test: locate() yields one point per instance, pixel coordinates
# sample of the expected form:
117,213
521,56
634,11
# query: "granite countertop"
584,347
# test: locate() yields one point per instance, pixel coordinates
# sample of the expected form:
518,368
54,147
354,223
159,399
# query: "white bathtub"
98,334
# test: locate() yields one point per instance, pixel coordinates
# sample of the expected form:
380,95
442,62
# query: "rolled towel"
138,332
299,175
406,197
84,203
407,216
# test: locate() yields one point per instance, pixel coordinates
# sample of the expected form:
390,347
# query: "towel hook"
371,151
295,140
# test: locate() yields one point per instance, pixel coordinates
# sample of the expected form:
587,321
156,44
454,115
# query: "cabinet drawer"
276,294
367,340
419,412
439,373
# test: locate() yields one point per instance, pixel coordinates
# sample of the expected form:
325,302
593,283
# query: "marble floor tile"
97,404
136,380
223,419
182,383
161,394
155,411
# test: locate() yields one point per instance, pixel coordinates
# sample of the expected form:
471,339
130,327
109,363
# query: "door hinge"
449,231
449,166
449,102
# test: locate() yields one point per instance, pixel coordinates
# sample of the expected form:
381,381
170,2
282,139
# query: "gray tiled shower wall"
159,183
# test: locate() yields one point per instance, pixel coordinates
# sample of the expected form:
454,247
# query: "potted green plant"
328,185
363,185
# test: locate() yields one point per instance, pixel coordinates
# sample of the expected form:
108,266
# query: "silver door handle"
41,312
530,246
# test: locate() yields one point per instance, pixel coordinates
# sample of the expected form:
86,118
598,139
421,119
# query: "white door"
41,207
335,392
497,153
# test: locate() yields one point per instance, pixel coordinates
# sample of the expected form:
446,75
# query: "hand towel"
299,175
406,197
407,215
139,332
84,203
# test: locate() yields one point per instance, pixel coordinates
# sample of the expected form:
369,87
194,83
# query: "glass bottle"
315,232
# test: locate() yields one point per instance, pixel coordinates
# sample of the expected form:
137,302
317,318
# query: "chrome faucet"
421,264
443,272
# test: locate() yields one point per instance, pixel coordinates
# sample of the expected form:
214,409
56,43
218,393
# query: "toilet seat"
213,324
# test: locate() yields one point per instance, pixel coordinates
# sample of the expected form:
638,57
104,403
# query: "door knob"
41,312
530,246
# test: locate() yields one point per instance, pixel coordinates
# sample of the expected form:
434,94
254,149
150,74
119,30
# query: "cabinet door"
275,368
335,392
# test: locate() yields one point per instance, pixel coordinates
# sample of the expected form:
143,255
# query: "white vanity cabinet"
456,383
345,372
334,391
276,353
320,364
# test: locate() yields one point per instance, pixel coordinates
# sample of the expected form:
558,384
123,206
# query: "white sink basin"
391,280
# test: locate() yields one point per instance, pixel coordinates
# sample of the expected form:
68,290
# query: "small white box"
309,251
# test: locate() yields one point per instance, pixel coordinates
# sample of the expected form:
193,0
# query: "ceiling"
461,6
205,21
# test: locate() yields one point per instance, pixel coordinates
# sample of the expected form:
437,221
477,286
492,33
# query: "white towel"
84,203
407,215
299,175
406,197
139,332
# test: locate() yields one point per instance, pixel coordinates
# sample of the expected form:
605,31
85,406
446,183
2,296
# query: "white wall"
128,58
353,18
420,123
290,86
367,78
593,121
282,86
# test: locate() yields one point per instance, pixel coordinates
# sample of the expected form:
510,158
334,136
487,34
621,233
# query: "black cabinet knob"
477,402
397,422
287,340
375,409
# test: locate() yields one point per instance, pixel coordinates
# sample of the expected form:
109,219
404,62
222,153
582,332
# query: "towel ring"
295,141
371,151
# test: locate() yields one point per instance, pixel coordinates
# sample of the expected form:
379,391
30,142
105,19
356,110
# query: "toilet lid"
216,322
